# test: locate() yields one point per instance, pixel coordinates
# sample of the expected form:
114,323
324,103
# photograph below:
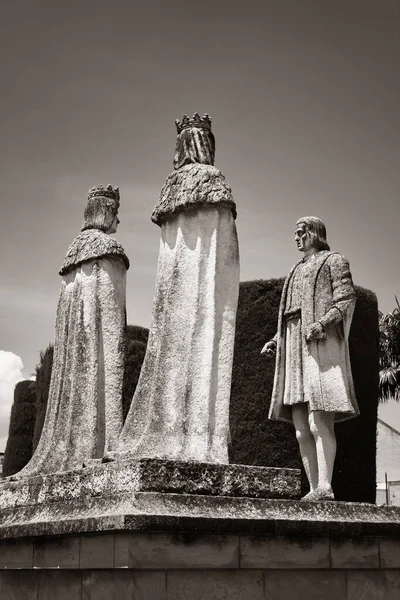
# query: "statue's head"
102,209
195,142
310,233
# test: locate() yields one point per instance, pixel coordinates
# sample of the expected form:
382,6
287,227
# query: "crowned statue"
84,410
180,409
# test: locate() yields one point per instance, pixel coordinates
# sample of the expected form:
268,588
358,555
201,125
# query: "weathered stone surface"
356,553
176,551
151,475
84,411
306,585
59,585
313,383
171,512
180,409
97,551
15,587
221,585
192,186
389,551
272,552
219,480
16,554
373,585
123,585
61,553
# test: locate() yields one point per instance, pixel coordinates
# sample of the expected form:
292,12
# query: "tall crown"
196,121
101,190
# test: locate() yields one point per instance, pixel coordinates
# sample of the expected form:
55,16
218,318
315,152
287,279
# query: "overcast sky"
304,98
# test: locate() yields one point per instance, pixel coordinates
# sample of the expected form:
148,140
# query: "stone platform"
108,532
128,487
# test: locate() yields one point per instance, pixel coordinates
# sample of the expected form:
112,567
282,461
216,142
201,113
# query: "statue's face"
114,225
302,238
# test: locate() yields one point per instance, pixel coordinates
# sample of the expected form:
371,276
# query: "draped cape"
84,409
180,409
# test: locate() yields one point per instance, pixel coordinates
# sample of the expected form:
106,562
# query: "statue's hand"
315,331
269,349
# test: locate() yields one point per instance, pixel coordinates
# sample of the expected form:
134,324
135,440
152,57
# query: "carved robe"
180,409
84,409
319,372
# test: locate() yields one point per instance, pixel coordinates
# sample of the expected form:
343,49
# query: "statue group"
180,409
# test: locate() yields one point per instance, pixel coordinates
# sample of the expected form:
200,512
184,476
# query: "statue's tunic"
318,372
180,409
84,410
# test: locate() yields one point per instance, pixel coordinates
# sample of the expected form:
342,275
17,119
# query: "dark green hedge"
135,350
256,440
19,443
43,376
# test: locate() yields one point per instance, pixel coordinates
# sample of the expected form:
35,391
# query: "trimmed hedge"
43,376
257,441
22,420
135,349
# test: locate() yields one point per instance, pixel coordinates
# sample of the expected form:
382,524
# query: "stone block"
61,553
16,554
269,552
60,585
355,553
210,585
305,585
176,551
373,585
218,480
389,553
19,585
97,551
123,585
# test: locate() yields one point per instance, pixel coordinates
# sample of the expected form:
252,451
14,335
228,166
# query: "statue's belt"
290,315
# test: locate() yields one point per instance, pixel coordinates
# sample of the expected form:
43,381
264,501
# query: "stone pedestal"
107,532
102,491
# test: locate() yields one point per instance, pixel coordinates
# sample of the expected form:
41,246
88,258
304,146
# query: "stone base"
108,532
126,487
202,547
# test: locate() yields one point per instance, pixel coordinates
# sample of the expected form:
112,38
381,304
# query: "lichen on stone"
192,186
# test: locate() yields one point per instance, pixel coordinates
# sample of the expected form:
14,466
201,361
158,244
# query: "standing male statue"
313,385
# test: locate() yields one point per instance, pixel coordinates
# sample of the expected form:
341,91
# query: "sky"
304,99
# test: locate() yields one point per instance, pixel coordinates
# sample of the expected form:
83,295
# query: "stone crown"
203,122
106,191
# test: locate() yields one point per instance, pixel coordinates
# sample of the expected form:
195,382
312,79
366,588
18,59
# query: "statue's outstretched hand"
269,349
315,331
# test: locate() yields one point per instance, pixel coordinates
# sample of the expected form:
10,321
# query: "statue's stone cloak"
180,409
84,410
329,297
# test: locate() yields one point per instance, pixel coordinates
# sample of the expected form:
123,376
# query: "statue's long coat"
84,409
329,297
180,410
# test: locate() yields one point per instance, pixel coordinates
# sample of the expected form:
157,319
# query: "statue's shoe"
318,495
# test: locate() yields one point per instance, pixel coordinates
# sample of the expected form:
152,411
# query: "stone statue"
84,410
180,409
313,384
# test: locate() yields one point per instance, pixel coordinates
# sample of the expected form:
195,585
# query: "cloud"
11,367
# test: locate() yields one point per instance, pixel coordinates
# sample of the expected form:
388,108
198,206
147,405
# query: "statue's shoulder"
336,258
90,244
192,185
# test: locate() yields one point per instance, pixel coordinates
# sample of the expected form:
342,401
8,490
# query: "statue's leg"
306,443
322,428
